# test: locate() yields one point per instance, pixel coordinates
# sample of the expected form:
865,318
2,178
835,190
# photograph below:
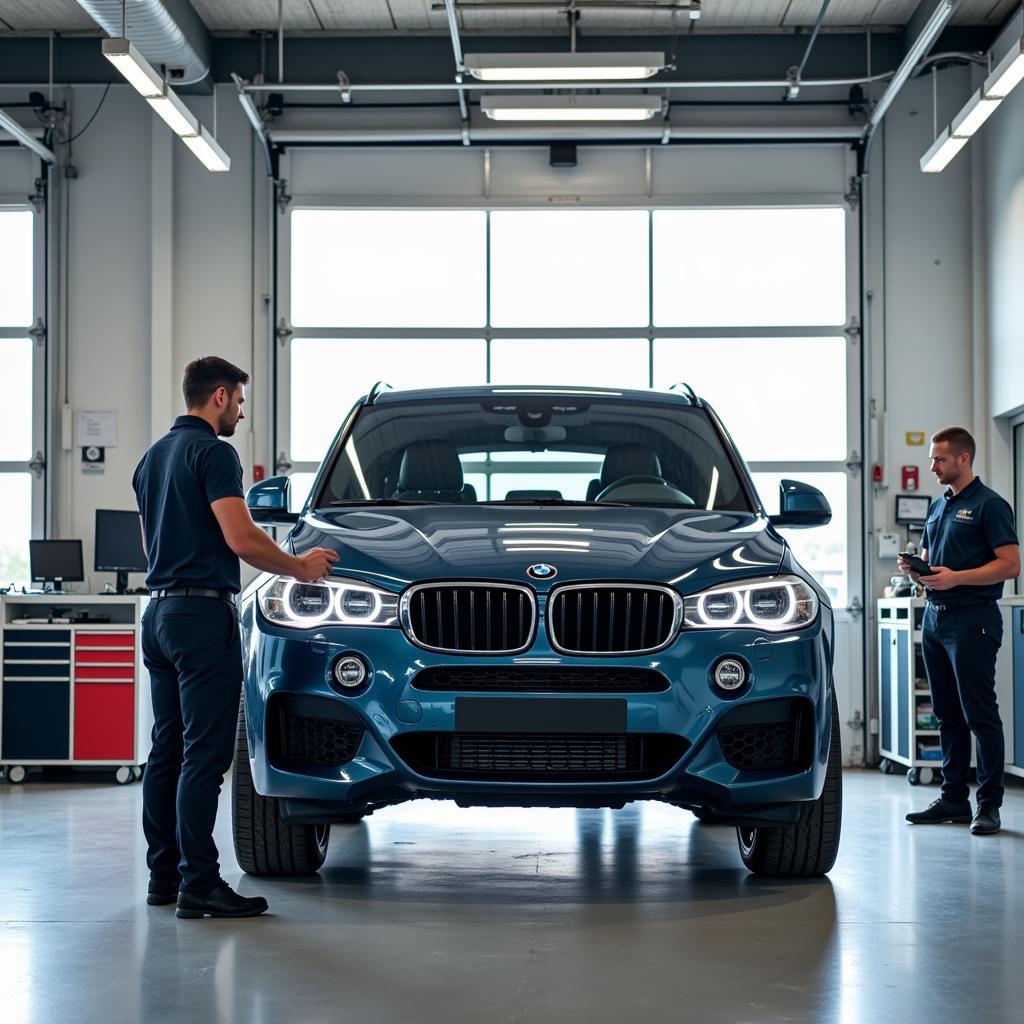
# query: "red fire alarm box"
910,478
258,473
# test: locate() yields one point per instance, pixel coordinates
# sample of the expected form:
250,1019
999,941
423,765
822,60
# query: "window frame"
36,333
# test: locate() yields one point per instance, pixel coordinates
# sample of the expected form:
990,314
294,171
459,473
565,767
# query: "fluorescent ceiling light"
571,108
137,71
563,67
942,150
975,112
1008,73
170,109
204,145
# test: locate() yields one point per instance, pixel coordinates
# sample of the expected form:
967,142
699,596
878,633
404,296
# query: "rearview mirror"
801,505
268,502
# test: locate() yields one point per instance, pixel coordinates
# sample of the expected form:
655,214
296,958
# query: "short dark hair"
959,440
204,375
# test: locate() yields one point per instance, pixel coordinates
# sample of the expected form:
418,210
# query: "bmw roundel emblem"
542,571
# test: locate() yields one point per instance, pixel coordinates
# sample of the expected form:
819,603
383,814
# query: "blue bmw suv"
553,597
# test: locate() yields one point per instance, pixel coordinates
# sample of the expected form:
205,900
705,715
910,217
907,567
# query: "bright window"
16,373
780,398
328,375
569,268
749,267
388,268
576,362
16,227
15,526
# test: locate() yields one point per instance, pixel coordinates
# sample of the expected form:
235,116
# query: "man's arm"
1005,566
254,546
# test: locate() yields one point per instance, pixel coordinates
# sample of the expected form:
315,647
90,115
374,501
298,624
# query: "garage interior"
811,212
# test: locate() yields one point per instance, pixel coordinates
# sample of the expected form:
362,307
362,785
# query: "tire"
913,776
264,844
809,848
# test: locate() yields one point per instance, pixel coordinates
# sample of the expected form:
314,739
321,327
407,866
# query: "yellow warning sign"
915,437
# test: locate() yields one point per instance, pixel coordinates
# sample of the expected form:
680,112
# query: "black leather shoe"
222,901
162,893
940,811
986,821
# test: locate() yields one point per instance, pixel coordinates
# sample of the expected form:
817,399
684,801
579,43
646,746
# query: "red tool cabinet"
73,689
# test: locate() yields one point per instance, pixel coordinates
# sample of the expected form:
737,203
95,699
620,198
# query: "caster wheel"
927,776
913,776
137,772
886,767
123,775
16,774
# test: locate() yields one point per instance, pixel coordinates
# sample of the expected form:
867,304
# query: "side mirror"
801,505
268,502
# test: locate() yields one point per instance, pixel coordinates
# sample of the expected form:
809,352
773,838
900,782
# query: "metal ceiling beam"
25,138
460,65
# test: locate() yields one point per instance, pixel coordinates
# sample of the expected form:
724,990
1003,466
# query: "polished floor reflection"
428,913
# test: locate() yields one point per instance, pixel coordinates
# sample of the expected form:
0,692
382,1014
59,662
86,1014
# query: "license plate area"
542,715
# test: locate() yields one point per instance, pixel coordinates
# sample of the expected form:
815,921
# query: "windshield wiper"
557,501
362,502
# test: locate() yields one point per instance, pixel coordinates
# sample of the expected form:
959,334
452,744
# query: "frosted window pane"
389,268
821,550
749,267
301,483
780,398
606,363
16,373
328,375
569,268
15,268
15,526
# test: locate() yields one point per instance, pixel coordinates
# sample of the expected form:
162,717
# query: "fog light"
730,674
349,672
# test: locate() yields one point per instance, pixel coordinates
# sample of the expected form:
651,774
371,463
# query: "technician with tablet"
969,548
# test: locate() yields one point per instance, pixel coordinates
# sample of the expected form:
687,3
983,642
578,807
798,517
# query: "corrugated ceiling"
498,16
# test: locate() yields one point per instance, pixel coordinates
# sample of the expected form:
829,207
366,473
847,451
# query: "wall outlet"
888,545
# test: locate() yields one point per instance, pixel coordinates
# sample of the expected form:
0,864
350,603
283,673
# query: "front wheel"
808,848
264,844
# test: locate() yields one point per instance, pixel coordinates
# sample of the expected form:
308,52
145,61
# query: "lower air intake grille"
521,757
758,747
608,619
320,741
540,679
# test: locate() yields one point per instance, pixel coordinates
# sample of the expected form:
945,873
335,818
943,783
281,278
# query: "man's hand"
315,564
905,568
941,578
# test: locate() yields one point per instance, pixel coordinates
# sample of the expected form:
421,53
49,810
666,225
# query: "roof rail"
375,392
686,390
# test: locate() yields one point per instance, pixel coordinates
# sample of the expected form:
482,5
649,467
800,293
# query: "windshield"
532,449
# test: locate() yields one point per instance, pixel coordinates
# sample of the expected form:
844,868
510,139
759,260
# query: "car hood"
397,546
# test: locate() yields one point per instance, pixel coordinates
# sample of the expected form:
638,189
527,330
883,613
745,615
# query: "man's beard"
225,428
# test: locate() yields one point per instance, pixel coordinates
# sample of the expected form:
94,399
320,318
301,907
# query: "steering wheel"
636,478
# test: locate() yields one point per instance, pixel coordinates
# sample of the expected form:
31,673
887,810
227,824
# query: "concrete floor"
431,913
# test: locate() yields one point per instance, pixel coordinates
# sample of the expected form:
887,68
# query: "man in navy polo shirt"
196,527
971,545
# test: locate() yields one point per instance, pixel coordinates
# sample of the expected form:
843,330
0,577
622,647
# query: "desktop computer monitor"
119,545
55,561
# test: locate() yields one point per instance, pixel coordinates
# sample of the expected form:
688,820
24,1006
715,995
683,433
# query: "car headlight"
287,602
773,605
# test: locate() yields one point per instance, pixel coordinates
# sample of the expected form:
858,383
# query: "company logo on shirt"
965,515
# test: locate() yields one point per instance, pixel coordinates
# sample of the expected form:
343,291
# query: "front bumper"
791,671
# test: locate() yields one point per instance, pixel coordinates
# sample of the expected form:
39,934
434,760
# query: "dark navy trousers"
192,649
959,647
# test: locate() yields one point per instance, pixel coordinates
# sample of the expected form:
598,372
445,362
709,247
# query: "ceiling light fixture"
571,108
563,67
166,103
1008,73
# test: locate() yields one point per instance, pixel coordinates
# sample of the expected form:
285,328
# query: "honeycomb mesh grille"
320,741
468,618
537,757
540,679
611,620
760,747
